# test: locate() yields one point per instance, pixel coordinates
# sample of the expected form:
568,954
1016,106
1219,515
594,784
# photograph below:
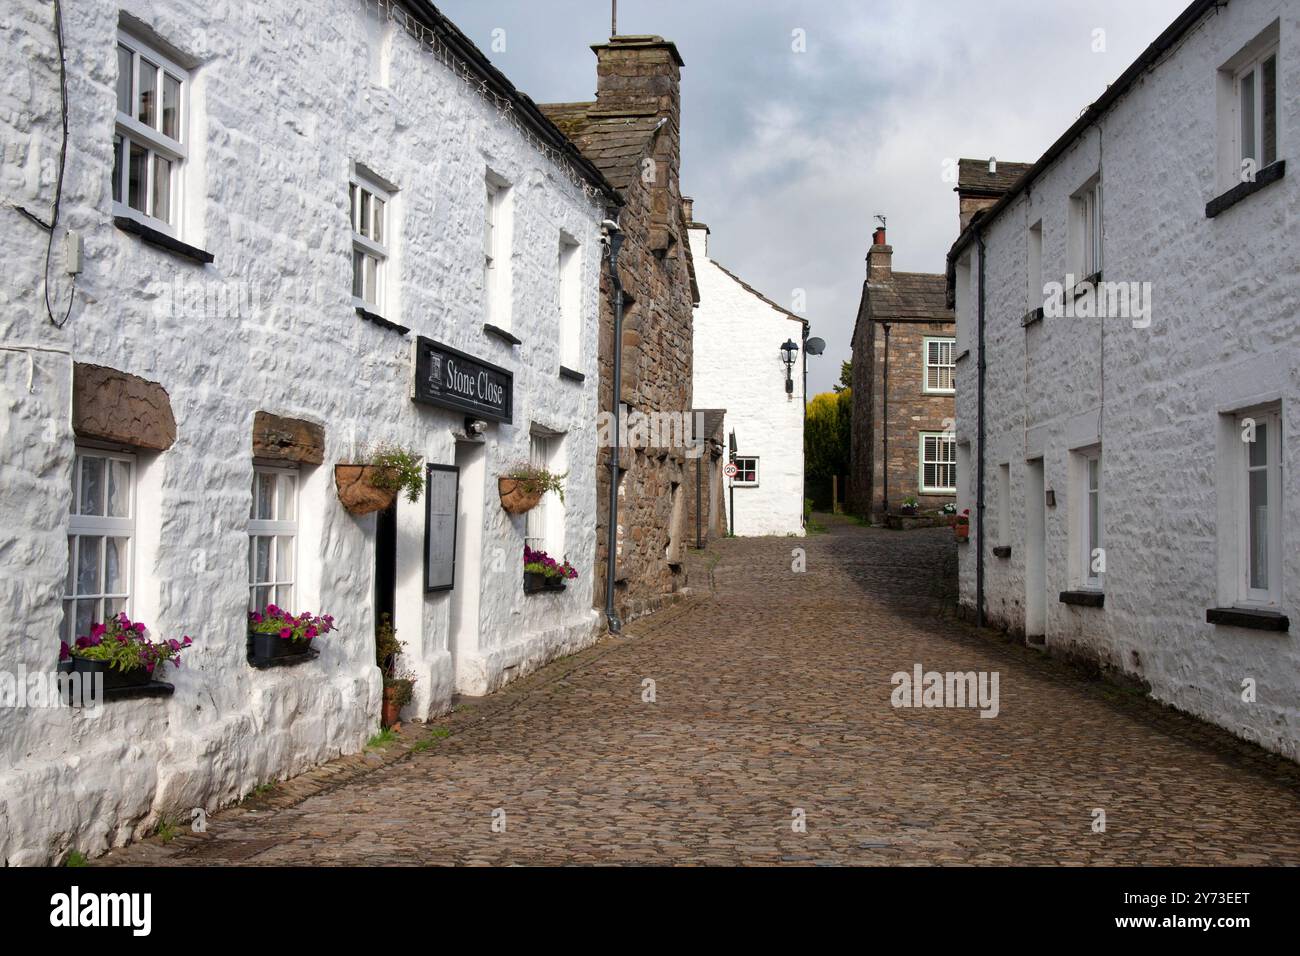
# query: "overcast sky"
789,155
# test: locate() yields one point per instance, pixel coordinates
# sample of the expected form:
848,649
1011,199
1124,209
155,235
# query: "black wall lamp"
788,352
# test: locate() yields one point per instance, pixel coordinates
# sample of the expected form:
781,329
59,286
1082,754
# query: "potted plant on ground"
120,650
961,528
522,487
399,686
375,482
908,507
543,573
275,633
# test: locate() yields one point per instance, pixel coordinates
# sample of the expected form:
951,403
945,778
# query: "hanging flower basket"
359,491
515,498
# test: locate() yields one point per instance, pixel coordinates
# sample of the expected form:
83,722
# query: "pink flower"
139,628
286,633
64,651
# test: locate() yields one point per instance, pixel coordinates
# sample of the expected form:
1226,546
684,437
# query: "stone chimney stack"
981,183
639,76
688,209
880,257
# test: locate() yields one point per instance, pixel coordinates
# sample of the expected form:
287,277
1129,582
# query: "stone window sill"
1256,619
1269,174
543,589
965,353
1083,285
1002,551
1084,598
571,375
1032,316
155,688
162,240
500,333
382,322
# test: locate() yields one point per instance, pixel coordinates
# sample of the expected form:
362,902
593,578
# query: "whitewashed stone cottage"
269,218
1132,300
740,371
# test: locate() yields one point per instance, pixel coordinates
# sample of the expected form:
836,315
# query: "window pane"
117,168
148,113
92,486
136,176
1247,107
287,486
379,220
1268,110
1094,525
1258,453
284,558
261,559
87,614
171,106
162,188
357,272
365,214
113,607
1258,526
261,598
115,565
284,595
88,555
119,488
265,502
70,582
124,80
372,280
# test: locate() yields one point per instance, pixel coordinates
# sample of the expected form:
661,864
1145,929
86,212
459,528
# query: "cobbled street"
771,697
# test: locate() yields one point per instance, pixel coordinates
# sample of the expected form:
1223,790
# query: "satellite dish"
815,346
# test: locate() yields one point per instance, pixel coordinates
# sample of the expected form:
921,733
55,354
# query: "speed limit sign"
729,469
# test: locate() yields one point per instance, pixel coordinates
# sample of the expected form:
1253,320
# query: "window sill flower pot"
555,584
514,498
114,678
272,650
392,708
357,490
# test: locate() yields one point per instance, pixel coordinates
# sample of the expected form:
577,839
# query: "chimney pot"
878,237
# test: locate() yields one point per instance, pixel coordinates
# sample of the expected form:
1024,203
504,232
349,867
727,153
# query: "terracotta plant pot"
514,499
357,491
961,528
392,709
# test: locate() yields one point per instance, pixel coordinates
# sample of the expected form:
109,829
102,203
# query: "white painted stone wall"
1224,334
738,367
284,99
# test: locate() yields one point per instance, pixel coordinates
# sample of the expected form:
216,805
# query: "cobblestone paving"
772,695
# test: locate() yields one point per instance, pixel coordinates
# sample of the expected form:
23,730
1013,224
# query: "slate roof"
910,295
973,176
613,142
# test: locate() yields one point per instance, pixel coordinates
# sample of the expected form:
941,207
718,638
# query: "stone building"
273,256
1140,444
632,133
904,353
739,367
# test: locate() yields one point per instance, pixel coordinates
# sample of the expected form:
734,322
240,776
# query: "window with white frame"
370,203
940,366
101,540
1086,208
544,524
1259,508
1089,526
746,470
149,141
1255,93
272,537
938,463
570,268
496,252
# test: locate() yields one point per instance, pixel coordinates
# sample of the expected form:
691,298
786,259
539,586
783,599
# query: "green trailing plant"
387,650
76,858
397,470
381,739
536,480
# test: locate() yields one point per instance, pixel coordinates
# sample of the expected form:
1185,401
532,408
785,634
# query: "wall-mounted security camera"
475,427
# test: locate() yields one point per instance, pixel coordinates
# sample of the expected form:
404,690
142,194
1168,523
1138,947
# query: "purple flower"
286,633
64,651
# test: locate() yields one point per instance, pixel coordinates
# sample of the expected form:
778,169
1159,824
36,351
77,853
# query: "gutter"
1162,44
524,107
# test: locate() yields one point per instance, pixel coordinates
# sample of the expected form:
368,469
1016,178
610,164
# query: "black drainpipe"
884,432
979,468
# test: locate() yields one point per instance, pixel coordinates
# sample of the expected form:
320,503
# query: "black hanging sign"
452,379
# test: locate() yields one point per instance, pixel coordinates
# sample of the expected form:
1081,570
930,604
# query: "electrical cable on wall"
58,187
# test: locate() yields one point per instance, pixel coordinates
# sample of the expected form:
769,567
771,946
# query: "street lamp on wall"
788,352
